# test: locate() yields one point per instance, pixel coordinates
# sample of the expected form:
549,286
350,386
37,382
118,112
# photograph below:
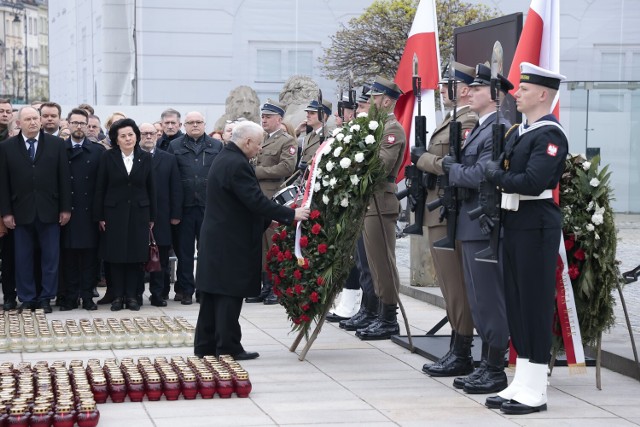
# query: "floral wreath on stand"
590,241
342,178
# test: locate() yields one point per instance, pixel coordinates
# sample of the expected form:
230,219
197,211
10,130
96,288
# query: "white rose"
330,166
586,165
590,227
599,210
363,114
337,151
354,179
344,202
370,139
345,163
347,139
594,182
325,182
340,137
333,182
373,125
336,131
316,186
318,172
359,157
325,199
597,236
590,205
597,219
354,128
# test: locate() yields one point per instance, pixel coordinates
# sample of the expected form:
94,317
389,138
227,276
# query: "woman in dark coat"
125,207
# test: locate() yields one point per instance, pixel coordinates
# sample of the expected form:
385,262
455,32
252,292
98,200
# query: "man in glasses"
195,152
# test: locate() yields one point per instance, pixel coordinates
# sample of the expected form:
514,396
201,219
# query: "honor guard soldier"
483,280
382,214
316,135
530,169
448,264
363,100
274,163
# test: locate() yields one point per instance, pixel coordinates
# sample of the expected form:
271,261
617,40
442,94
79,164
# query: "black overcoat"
40,188
235,216
127,204
168,195
81,232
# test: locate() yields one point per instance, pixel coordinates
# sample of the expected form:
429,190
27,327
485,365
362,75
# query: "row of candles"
31,332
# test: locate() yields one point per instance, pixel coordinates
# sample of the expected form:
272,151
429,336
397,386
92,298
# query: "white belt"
511,202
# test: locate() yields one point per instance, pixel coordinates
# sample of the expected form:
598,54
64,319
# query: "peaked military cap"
326,106
365,94
345,103
382,86
271,107
536,75
483,78
463,73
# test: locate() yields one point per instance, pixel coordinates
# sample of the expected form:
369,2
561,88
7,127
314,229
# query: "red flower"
314,297
283,234
322,248
280,257
304,318
579,255
277,292
276,279
574,272
305,307
289,292
304,241
298,288
305,266
314,214
274,238
296,321
316,228
287,254
269,256
568,244
320,281
283,273
274,249
297,274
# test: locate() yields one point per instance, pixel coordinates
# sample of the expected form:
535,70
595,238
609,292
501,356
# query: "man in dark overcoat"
35,200
236,215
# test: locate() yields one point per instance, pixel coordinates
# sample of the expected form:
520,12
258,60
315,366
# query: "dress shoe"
89,305
157,301
186,300
107,299
246,355
139,300
9,305
116,304
334,318
66,307
165,297
95,293
178,296
514,407
252,300
132,304
495,402
27,306
270,300
45,306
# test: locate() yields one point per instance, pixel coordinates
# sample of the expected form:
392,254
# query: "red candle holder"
206,385
136,389
224,385
189,386
153,388
117,390
100,390
242,385
63,417
88,416
171,387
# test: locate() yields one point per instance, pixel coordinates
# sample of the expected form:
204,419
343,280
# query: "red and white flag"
539,44
423,41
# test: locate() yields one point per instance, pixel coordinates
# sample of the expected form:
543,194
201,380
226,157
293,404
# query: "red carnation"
579,254
283,273
304,318
568,244
314,297
274,249
280,257
274,238
316,228
270,274
289,292
287,254
320,281
298,288
305,266
305,307
297,274
283,234
276,279
269,256
296,321
322,248
574,272
304,241
314,214
277,292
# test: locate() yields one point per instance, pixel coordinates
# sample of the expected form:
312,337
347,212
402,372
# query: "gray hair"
245,129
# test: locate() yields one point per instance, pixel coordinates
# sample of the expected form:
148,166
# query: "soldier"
530,169
448,264
275,162
363,100
313,138
483,280
380,239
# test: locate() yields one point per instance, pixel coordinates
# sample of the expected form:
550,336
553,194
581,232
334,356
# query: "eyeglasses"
77,123
194,123
148,133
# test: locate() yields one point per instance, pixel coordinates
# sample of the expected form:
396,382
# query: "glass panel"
269,65
301,62
611,66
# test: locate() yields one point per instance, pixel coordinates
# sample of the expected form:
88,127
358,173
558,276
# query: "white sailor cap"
533,74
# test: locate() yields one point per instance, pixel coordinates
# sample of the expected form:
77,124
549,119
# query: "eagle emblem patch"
292,150
391,139
552,149
466,133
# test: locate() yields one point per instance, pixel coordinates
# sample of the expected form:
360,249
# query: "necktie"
32,148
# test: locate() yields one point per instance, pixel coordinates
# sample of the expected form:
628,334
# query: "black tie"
32,148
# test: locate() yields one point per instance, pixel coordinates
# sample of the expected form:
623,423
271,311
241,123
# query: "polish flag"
423,41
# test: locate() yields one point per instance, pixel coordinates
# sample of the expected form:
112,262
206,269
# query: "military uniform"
314,139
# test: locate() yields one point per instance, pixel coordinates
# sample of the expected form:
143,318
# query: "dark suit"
79,238
127,203
35,193
237,214
169,205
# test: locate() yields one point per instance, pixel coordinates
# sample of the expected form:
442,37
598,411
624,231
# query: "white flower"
337,151
586,165
590,227
340,137
345,162
359,157
325,182
327,148
599,210
589,206
373,125
316,186
363,114
333,182
344,202
330,166
325,199
318,172
597,219
347,139
354,179
354,128
370,139
336,131
597,236
594,182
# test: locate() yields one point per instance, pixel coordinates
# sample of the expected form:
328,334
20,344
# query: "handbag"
153,264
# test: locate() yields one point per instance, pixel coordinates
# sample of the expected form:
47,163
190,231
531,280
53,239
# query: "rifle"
448,200
341,107
414,177
489,197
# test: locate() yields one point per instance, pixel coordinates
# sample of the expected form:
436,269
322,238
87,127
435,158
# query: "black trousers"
8,267
218,328
366,281
79,272
126,279
159,280
188,233
530,260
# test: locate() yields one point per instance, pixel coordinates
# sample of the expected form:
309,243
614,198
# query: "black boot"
426,366
459,361
493,379
384,327
365,316
459,382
